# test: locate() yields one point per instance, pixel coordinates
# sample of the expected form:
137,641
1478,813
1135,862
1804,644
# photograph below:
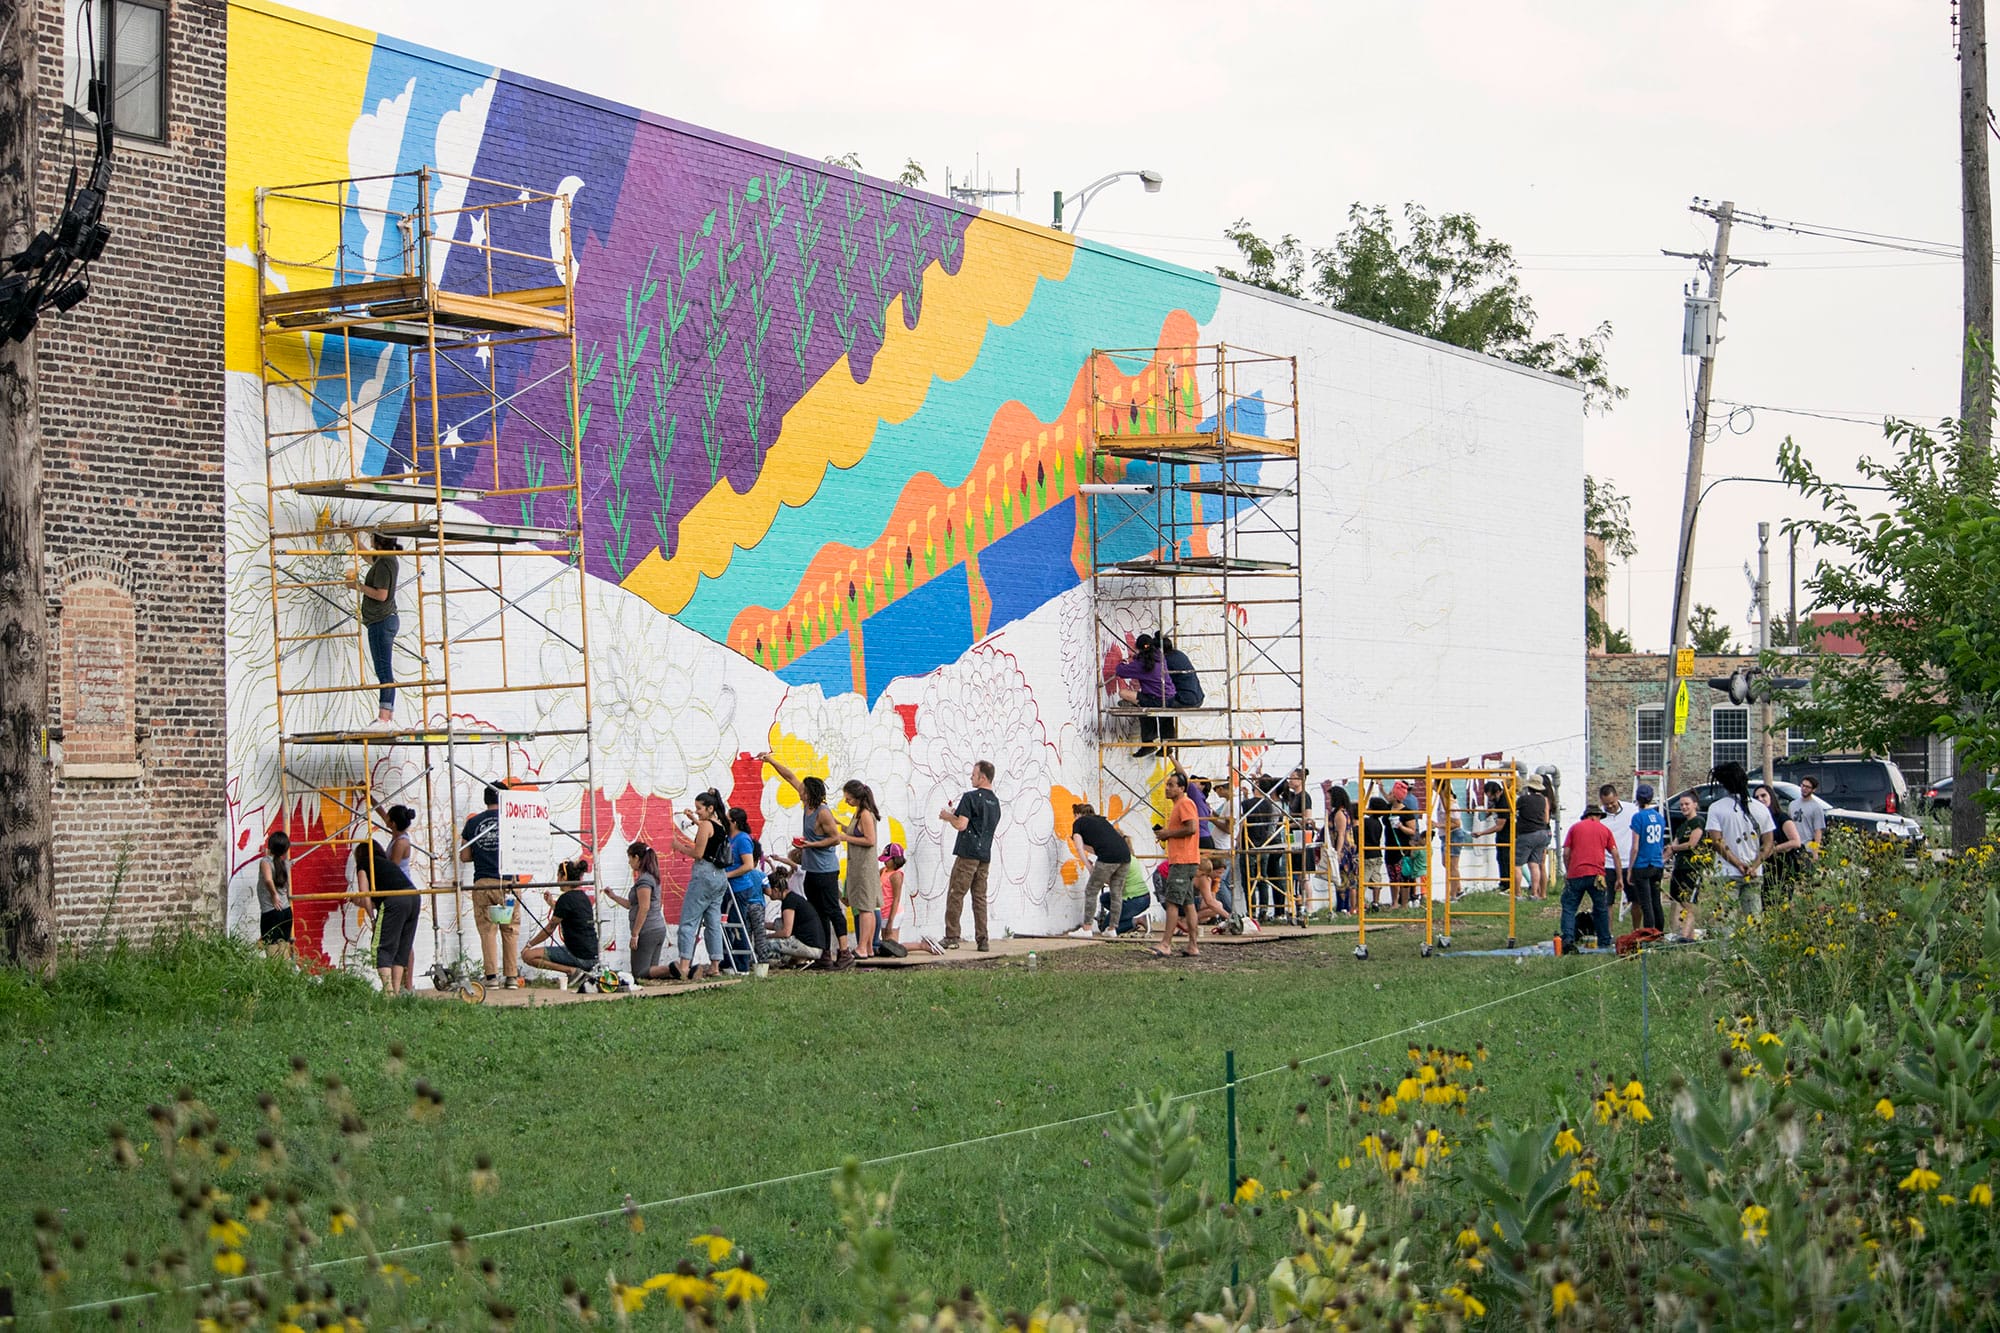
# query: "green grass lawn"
579,1105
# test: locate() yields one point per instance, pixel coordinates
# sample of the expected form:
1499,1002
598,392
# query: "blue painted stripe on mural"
1106,301
918,632
437,85
1126,525
1029,566
829,666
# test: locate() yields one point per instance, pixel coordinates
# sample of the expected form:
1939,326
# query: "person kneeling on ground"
1590,852
576,956
1131,911
800,937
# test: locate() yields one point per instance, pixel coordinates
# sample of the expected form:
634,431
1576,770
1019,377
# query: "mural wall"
830,454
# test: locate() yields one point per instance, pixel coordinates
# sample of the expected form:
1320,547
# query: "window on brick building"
128,41
1729,734
1798,743
1651,749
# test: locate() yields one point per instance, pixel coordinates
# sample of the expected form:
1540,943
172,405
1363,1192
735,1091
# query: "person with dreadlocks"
1741,830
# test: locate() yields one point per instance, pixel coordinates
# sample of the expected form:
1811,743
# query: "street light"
1149,179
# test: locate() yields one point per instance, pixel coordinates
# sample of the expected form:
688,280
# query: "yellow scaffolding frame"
1437,810
376,279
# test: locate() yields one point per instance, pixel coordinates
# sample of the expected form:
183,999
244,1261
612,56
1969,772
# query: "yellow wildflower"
393,1273
229,1231
258,1208
1468,1239
1567,1143
1886,1109
631,1300
1769,1039
1635,1091
1408,1090
1639,1111
1756,1223
740,1284
1468,1305
718,1247
683,1289
1345,1162
1916,1228
1562,1297
340,1220
1981,1194
228,1263
1922,1178
1584,1182
1251,1188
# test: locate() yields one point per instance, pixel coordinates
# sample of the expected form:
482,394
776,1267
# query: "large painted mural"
831,439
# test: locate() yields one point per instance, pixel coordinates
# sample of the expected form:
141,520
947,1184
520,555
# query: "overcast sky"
1577,132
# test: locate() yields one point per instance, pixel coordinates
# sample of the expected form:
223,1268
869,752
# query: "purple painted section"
718,281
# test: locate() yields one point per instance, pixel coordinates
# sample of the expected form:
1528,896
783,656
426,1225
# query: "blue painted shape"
829,666
918,632
436,86
1127,525
1028,567
1106,301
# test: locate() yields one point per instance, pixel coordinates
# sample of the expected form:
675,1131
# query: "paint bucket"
760,970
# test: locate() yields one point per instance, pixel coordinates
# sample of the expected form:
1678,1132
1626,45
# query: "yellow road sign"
1684,663
1681,709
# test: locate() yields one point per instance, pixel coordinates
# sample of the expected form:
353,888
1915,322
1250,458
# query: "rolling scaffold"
417,343
1409,842
1194,528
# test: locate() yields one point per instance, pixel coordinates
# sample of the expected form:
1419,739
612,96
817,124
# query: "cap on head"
893,852
1593,812
1644,793
1400,790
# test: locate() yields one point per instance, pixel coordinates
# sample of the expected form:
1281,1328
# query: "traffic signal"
1747,685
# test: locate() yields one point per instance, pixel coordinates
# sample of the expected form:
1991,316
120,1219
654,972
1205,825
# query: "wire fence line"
630,1208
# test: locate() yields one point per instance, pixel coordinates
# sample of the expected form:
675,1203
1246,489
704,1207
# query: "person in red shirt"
1589,851
1181,836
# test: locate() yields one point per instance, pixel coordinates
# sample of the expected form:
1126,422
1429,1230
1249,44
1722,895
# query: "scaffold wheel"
472,991
1510,942
1361,952
1444,941
1424,951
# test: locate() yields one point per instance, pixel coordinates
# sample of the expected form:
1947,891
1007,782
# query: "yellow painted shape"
296,83
802,758
835,422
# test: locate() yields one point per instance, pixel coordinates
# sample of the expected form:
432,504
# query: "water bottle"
1033,962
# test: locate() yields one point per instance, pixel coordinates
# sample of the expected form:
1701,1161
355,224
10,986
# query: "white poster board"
527,835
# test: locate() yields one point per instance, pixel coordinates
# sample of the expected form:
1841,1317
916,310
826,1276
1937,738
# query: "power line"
1830,414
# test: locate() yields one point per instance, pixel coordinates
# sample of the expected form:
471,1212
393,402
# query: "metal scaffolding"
1194,528
417,342
1410,860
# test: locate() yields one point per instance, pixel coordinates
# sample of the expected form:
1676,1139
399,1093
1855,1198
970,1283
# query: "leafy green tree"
1917,586
1439,277
1707,635
1617,641
910,177
1607,516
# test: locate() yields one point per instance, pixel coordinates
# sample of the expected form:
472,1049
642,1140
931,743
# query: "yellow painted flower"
740,1284
1562,1297
1567,1143
1756,1223
1920,1179
1886,1109
1250,1190
229,1231
718,1247
1981,1194
228,1263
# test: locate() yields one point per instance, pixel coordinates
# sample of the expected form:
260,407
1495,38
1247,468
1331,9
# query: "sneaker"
492,979
951,944
512,983
983,948
844,960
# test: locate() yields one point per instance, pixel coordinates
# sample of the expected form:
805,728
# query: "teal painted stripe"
1106,301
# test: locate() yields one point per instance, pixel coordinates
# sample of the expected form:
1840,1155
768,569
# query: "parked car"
1937,796
1871,822
1853,784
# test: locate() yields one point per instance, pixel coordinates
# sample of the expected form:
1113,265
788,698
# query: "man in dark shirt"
479,844
976,818
801,933
1099,845
576,956
1532,834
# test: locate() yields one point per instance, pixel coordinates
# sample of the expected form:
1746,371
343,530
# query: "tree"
1707,635
1607,516
1443,280
1617,641
910,177
1917,586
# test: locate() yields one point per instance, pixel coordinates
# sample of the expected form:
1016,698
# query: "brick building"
131,397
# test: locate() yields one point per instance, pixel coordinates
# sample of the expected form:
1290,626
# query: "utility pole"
1764,641
1718,270
1792,619
1975,401
27,886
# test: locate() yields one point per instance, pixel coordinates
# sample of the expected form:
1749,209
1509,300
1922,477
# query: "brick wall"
132,427
1616,686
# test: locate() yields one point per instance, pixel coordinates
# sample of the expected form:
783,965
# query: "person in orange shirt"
1181,836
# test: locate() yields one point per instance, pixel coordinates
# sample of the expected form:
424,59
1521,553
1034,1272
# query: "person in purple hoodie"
1150,686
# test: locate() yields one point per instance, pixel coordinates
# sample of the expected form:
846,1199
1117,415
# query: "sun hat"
1536,782
894,851
1593,812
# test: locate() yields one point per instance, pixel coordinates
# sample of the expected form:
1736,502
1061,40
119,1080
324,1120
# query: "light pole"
1081,198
